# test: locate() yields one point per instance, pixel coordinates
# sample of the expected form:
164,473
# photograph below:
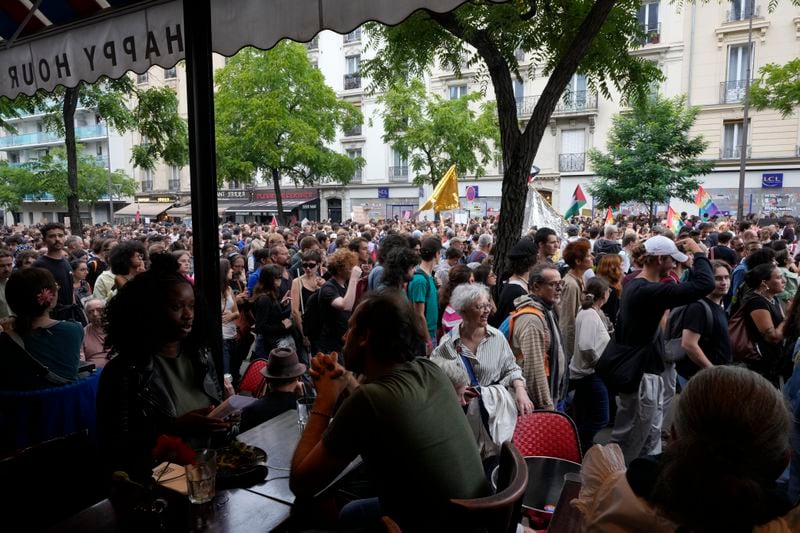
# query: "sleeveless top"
228,328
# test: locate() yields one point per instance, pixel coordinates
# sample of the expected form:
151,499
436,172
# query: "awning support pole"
203,168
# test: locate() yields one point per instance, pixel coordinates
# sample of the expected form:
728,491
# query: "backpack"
672,346
507,326
312,317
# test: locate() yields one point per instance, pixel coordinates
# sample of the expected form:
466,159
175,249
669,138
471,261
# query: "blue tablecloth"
30,417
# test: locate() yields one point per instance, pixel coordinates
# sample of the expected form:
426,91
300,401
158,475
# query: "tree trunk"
276,182
519,149
652,214
71,96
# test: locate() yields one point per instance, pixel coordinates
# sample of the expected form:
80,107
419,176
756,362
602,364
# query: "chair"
548,434
502,511
253,382
51,481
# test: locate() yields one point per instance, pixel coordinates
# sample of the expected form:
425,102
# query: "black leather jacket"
135,405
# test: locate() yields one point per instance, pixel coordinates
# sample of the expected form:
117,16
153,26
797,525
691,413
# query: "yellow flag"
445,195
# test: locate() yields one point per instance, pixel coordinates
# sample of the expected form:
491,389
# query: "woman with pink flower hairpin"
38,352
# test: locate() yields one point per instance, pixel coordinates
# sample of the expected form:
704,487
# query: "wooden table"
278,437
232,511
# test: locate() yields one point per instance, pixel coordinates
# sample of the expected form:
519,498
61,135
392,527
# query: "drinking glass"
304,406
201,477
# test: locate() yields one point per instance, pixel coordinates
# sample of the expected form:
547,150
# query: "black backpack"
312,317
672,344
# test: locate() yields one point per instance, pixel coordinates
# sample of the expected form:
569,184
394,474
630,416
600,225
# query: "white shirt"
591,338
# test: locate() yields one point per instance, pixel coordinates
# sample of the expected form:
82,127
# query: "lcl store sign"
772,180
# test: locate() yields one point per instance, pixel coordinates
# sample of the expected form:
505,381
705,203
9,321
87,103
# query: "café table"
545,481
566,517
232,511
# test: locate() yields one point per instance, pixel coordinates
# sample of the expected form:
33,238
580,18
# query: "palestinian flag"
578,201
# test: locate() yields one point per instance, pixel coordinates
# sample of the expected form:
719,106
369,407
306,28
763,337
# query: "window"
142,78
573,151
741,10
13,157
313,44
574,98
399,169
519,95
170,73
353,64
147,180
355,153
732,140
739,61
99,150
175,179
353,36
648,21
457,91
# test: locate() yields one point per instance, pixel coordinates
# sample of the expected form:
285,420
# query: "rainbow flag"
674,222
703,200
609,218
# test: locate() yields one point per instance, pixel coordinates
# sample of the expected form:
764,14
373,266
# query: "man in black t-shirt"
54,261
706,344
723,250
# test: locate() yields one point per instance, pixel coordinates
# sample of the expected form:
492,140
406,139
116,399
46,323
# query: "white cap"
660,245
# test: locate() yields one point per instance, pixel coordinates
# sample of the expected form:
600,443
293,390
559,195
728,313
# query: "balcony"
572,162
732,92
742,12
147,186
355,131
733,152
353,37
352,81
398,174
652,34
47,137
174,185
357,177
313,44
572,103
39,197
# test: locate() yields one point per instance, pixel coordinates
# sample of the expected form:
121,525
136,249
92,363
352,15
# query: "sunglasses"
309,265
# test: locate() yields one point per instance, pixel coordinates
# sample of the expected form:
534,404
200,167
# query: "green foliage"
15,183
49,175
778,87
157,119
11,109
434,133
275,114
651,157
421,42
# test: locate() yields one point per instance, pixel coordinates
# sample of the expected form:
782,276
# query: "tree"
155,117
589,37
778,87
651,157
274,116
14,184
49,174
433,133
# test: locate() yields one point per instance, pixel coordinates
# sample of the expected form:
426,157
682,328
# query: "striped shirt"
494,362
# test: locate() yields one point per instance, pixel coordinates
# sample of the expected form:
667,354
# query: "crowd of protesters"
549,335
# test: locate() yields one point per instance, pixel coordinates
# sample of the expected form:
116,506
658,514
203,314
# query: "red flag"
274,221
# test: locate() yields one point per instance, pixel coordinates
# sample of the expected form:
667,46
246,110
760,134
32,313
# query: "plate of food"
240,465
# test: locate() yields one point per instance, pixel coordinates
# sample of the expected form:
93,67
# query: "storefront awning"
186,210
267,206
145,209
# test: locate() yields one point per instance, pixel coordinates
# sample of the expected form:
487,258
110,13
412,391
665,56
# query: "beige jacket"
568,308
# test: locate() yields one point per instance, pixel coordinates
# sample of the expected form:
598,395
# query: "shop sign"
383,192
773,180
290,194
231,194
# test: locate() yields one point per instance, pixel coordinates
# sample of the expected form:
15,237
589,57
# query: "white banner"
111,45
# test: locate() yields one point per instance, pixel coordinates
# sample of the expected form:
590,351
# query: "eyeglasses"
555,284
484,307
309,265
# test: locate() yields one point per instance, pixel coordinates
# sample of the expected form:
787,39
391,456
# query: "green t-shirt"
422,288
180,377
415,441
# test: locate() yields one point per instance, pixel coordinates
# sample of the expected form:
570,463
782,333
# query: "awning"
64,42
148,209
186,211
267,206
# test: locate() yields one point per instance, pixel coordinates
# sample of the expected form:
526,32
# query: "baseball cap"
660,245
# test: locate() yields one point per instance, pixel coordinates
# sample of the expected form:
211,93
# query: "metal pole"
202,165
743,143
110,185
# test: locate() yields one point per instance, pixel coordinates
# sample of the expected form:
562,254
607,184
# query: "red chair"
548,434
253,382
